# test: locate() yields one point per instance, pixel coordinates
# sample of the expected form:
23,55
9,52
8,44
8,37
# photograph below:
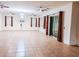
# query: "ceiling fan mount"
3,6
43,9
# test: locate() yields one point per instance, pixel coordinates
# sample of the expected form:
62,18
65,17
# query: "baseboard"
19,30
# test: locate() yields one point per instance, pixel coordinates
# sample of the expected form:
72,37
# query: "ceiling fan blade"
6,6
1,6
48,8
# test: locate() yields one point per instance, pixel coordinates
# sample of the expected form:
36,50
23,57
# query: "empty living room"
39,28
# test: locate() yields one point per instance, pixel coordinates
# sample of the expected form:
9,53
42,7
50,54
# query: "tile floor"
33,44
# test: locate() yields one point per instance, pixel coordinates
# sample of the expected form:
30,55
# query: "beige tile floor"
33,44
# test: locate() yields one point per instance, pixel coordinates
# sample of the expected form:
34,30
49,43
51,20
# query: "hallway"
32,44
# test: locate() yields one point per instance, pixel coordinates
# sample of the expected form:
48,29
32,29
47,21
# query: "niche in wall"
38,22
11,21
7,19
31,22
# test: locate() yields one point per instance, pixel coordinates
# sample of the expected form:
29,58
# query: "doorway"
51,26
56,26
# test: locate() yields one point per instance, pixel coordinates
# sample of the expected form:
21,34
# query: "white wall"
16,23
0,21
78,31
71,31
74,38
41,29
67,20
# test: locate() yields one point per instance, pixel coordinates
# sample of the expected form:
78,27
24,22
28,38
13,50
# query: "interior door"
51,26
55,26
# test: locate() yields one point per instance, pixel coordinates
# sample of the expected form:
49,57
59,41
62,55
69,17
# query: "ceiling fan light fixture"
42,9
3,6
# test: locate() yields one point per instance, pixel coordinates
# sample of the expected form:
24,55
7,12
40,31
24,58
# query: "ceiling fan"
42,9
3,6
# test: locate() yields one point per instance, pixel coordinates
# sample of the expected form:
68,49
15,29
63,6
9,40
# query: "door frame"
60,25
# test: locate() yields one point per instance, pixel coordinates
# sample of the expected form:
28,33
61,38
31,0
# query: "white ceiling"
30,7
